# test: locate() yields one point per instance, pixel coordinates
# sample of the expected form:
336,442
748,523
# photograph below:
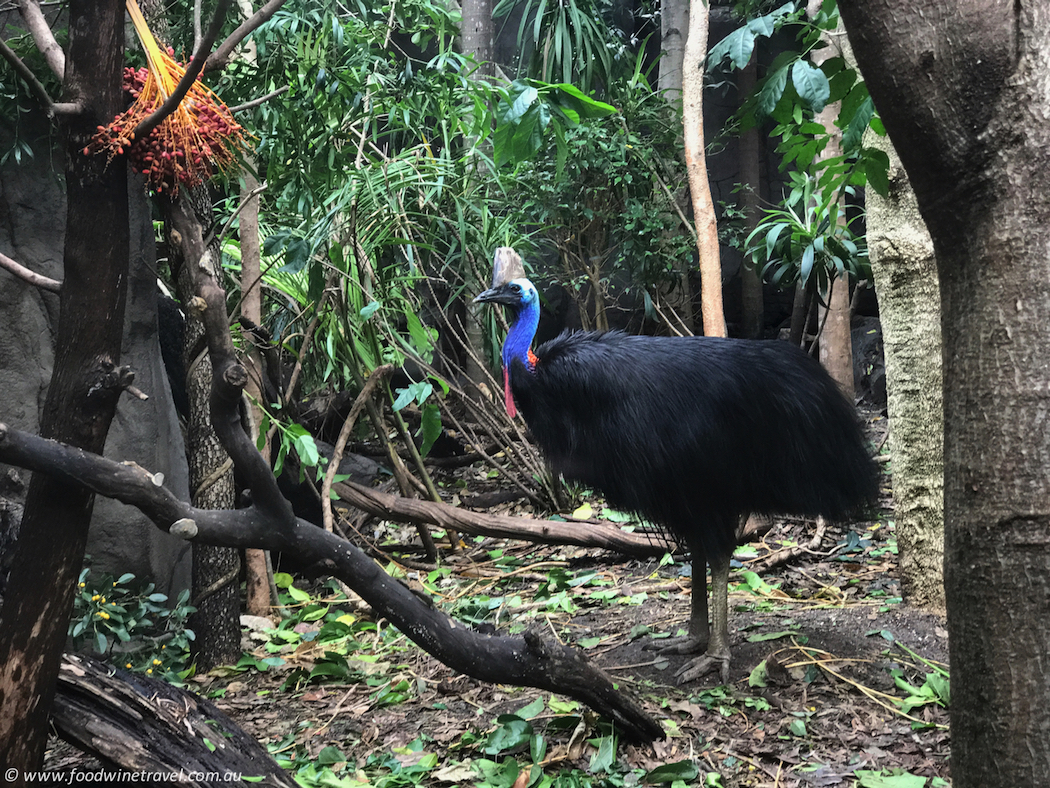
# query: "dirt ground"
811,699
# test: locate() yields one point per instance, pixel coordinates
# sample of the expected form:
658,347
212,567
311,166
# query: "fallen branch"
146,725
412,510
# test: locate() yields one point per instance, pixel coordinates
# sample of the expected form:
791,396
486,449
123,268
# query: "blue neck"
522,331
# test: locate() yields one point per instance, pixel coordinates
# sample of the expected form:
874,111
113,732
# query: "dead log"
141,724
415,511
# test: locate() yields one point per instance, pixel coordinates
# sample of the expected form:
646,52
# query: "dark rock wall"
32,215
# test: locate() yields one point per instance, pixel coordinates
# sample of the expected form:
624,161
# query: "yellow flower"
156,662
94,598
128,666
81,585
102,600
149,670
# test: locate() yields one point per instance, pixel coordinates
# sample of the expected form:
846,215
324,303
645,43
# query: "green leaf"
854,132
521,98
797,727
772,90
811,84
763,636
532,709
603,760
513,733
669,772
877,170
806,265
758,676
737,46
893,779
430,427
330,755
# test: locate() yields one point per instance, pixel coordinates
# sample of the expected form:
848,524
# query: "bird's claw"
702,665
681,645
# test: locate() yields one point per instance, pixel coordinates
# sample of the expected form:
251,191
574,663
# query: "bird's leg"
695,642
717,655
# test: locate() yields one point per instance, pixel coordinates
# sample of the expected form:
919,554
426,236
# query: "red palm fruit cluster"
197,140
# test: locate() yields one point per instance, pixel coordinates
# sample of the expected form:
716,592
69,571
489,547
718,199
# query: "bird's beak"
495,295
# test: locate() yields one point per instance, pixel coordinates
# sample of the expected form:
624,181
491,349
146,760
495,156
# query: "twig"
261,99
222,54
374,379
31,277
783,556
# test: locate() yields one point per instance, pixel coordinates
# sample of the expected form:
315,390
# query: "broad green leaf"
772,90
532,709
737,46
429,427
854,132
811,84
603,760
806,265
670,772
892,779
514,732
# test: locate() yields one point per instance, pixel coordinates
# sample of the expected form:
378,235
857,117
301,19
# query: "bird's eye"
516,288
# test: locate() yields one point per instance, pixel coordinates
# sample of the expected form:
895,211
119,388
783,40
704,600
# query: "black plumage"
694,434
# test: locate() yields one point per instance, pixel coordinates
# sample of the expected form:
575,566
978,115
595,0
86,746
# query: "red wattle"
508,396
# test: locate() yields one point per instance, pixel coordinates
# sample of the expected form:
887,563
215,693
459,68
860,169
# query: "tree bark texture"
83,392
753,303
696,168
215,569
143,724
257,583
836,341
905,272
674,24
964,90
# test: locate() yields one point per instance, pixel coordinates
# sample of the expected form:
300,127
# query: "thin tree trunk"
836,342
674,24
696,166
215,569
82,395
905,272
751,181
257,584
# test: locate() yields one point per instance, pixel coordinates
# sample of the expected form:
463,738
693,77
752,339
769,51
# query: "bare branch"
193,70
221,57
23,273
42,35
260,100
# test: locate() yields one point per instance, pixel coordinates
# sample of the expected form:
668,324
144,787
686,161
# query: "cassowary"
693,433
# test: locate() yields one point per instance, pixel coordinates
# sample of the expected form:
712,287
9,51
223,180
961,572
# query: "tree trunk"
964,91
696,166
905,272
83,392
215,569
753,320
674,24
257,584
836,342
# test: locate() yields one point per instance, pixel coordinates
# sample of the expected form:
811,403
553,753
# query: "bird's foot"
702,665
690,644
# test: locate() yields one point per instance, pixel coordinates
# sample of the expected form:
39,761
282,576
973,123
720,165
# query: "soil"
828,627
